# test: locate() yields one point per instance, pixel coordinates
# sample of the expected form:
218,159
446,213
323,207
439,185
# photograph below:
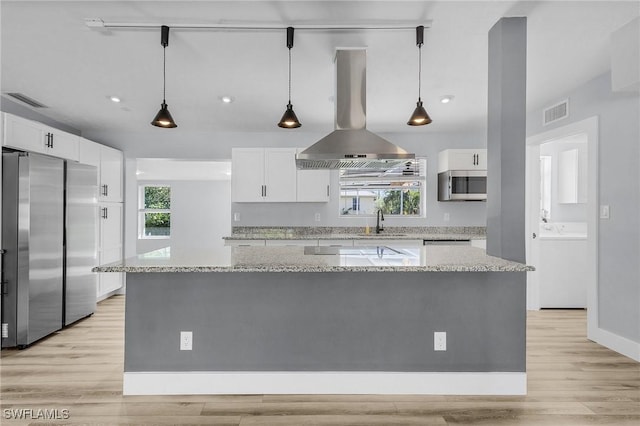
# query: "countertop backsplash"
292,231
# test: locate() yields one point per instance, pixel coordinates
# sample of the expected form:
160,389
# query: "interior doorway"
562,218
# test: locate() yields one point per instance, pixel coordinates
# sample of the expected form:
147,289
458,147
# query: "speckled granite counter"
294,259
357,233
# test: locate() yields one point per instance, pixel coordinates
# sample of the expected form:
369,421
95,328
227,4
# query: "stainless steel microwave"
462,185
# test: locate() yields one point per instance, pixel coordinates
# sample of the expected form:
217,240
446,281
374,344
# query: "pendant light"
163,118
289,119
419,116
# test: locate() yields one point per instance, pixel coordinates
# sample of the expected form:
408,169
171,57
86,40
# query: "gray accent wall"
336,321
619,187
506,140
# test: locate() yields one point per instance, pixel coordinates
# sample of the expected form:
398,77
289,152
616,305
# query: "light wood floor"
572,381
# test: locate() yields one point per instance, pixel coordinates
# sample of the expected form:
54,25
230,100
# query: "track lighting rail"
97,23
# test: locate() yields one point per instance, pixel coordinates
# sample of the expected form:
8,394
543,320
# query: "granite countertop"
293,259
358,233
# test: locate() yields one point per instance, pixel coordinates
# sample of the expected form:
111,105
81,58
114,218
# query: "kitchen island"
324,320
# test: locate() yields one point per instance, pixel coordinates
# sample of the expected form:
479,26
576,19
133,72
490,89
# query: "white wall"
200,216
618,187
200,203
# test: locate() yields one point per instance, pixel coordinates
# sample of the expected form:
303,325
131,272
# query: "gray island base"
350,332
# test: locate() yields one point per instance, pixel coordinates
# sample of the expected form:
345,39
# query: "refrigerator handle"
3,283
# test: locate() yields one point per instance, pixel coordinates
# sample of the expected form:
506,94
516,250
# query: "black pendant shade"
289,119
163,118
419,116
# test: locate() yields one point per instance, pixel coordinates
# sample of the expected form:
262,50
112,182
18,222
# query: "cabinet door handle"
104,213
327,190
105,190
265,190
51,140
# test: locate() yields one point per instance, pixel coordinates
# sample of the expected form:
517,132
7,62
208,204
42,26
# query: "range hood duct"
351,145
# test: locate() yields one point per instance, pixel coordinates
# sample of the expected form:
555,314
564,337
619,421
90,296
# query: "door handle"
105,190
104,213
327,190
534,235
51,140
265,190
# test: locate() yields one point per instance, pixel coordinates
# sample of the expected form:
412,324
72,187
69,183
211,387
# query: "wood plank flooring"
572,381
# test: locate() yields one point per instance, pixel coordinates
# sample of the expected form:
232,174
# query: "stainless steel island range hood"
351,145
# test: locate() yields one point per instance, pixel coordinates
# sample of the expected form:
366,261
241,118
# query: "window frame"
420,177
142,211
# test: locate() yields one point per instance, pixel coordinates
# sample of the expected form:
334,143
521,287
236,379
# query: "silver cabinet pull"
327,190
104,213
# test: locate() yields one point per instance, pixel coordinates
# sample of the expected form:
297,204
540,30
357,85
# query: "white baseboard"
294,382
620,344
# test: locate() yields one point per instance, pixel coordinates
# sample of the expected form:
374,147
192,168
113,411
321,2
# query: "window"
397,192
155,211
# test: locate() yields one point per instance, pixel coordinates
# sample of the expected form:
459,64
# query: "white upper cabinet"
263,175
111,168
109,162
462,159
89,152
32,136
280,174
247,175
313,185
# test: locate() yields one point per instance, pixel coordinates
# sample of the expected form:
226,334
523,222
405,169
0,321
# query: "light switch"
604,211
236,217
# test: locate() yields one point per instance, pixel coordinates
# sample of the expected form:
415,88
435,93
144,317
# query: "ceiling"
49,54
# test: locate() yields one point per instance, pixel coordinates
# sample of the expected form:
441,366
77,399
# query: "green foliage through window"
155,211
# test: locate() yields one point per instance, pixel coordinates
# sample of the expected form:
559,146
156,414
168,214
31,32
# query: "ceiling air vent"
27,100
555,112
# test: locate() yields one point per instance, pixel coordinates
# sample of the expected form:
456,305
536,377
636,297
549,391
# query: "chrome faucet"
379,218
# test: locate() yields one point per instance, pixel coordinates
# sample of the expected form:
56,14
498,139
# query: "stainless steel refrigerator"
38,228
81,239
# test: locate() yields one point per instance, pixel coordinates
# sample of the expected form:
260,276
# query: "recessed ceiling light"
226,99
115,99
446,99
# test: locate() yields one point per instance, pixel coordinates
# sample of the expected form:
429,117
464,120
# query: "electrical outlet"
186,340
236,217
447,217
604,211
317,217
440,341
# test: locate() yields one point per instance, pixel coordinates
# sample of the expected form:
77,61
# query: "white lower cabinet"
392,243
335,243
284,243
244,243
111,249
